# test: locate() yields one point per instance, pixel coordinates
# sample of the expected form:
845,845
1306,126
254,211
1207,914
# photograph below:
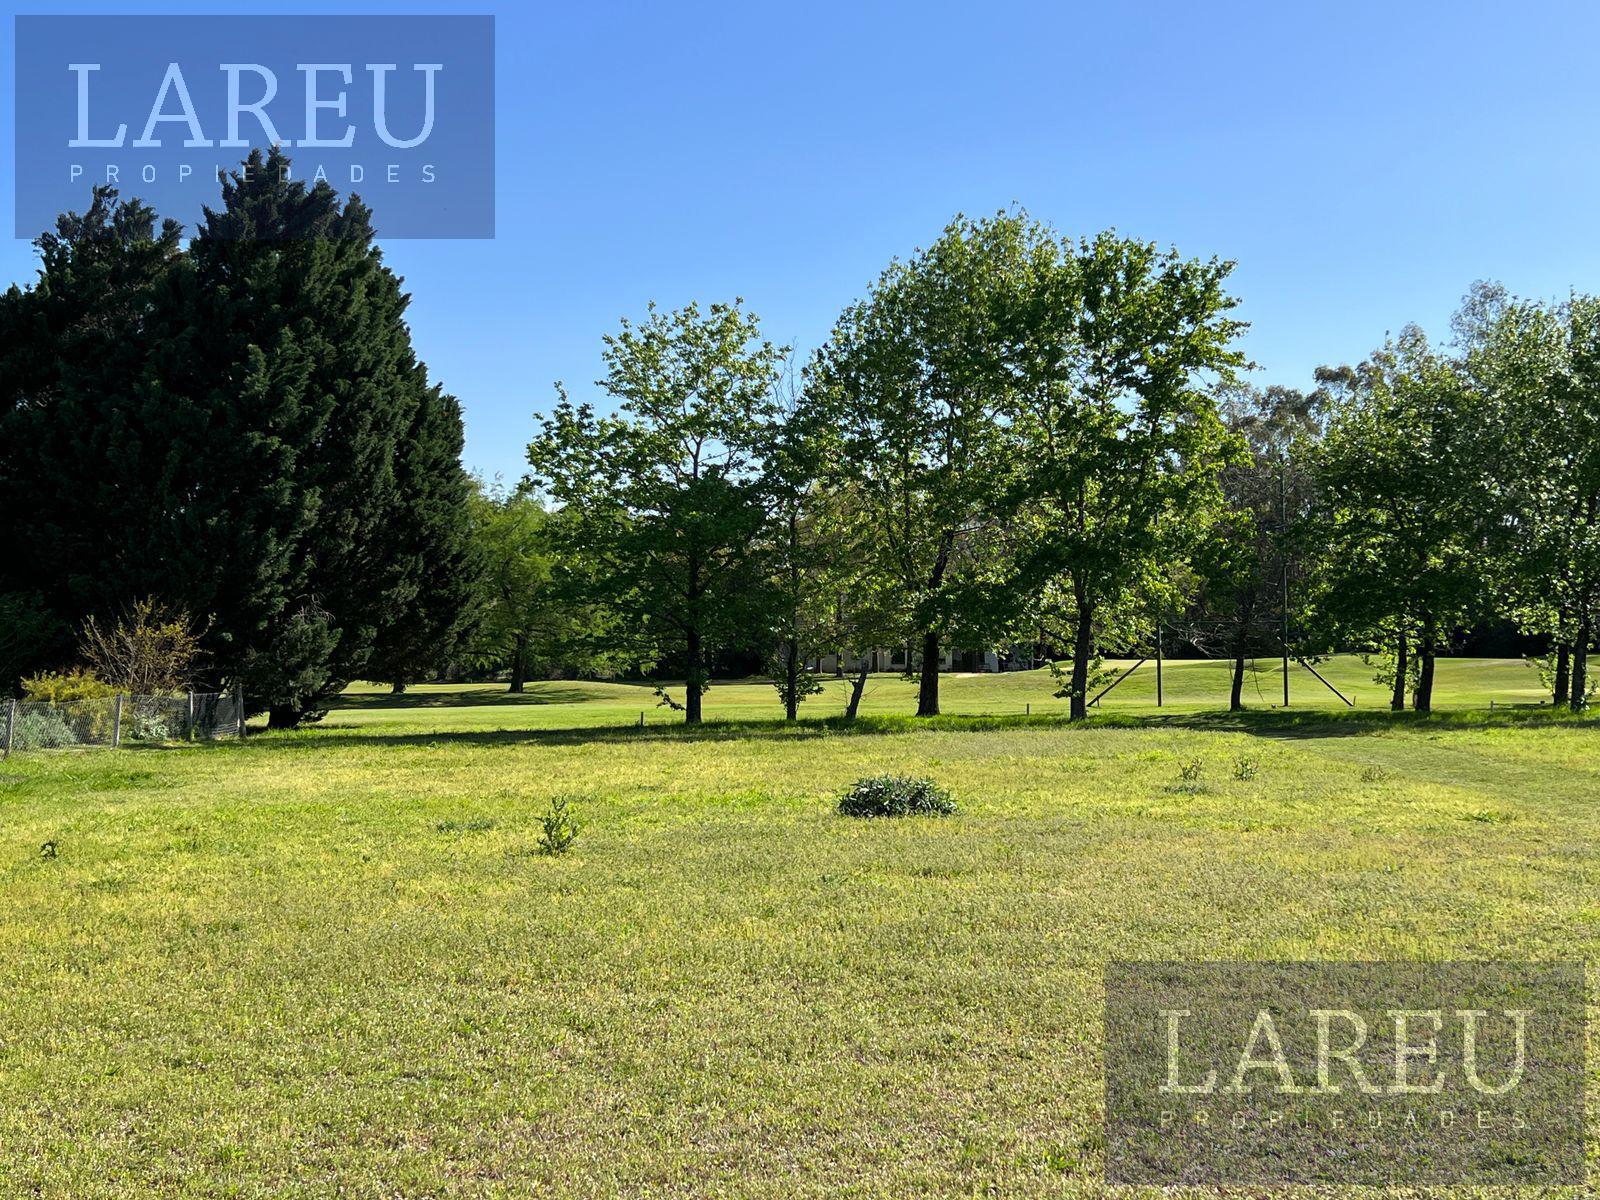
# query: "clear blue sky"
1363,163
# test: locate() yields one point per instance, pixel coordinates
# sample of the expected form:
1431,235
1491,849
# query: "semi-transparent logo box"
1355,1073
396,109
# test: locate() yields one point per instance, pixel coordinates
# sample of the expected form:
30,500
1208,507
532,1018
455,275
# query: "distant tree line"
1013,439
1018,439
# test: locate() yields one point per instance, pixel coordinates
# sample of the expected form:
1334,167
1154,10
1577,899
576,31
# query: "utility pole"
1283,562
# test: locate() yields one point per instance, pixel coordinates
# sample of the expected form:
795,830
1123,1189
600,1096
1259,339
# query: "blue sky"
1363,164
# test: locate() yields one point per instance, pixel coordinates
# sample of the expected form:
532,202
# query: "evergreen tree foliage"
241,428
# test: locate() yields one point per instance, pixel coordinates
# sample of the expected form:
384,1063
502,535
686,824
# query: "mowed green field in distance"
1188,686
332,962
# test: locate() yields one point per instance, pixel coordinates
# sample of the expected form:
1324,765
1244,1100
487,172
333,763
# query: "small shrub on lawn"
1191,771
1373,775
895,796
1245,768
560,830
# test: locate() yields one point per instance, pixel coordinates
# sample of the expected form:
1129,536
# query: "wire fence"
113,721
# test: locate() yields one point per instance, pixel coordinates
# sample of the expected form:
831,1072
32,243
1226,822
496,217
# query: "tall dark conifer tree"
295,297
73,466
242,429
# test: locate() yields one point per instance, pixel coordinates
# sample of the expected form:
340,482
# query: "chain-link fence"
120,720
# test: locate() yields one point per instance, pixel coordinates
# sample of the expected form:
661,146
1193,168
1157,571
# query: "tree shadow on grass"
475,697
1276,723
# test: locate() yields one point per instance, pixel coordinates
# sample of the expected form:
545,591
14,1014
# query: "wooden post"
641,720
11,724
1027,709
116,721
238,693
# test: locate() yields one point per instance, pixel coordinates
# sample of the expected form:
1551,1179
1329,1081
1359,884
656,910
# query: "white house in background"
896,659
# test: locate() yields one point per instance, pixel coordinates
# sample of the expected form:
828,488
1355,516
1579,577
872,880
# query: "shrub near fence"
114,720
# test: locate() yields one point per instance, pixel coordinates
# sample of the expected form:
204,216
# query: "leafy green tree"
1119,349
535,615
668,496
1536,367
1250,558
513,532
851,608
910,388
1406,506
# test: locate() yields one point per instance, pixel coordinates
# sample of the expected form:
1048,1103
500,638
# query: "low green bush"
895,796
42,729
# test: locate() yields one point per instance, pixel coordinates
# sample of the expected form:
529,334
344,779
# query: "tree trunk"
283,716
1579,693
519,665
858,686
1245,614
1563,683
691,697
928,690
397,688
1402,667
1082,650
1423,700
791,676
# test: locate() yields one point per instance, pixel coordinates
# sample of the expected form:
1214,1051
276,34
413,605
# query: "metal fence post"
11,723
188,725
239,696
116,722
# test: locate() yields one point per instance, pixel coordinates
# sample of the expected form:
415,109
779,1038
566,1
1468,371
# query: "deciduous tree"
911,387
668,496
1120,350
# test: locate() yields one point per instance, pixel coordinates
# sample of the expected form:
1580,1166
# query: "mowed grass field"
1187,687
331,963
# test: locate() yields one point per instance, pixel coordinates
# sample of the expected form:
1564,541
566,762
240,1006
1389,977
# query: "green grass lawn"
330,963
